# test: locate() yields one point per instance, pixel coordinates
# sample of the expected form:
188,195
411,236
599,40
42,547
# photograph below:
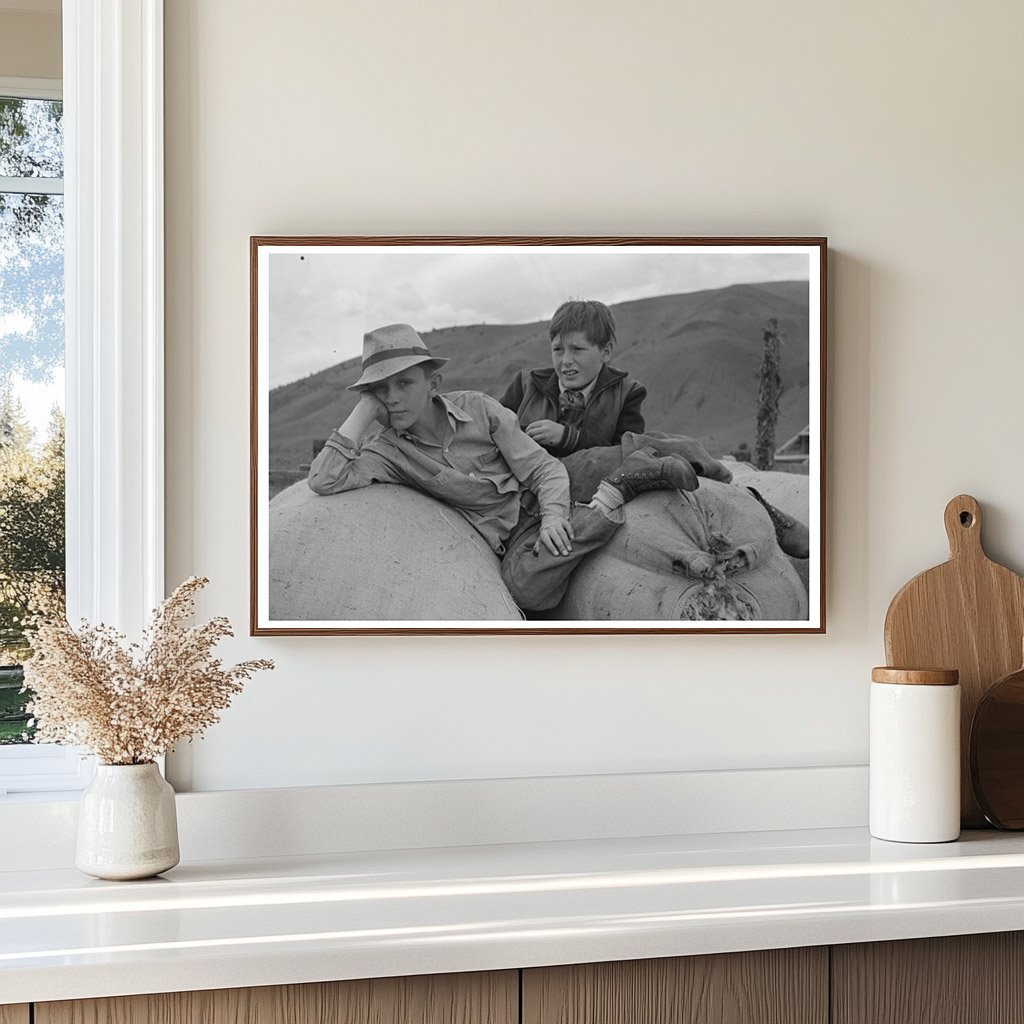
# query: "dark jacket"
612,409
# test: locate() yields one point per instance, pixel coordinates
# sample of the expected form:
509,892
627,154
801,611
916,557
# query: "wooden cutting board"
967,614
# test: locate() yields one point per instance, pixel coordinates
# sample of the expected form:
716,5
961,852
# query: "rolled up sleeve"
343,465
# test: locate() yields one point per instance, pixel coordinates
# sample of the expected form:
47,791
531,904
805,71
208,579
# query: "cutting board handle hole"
966,519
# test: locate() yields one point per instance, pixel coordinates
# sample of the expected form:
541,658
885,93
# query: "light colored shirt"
480,469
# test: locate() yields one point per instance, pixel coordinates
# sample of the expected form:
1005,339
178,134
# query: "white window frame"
114,327
32,88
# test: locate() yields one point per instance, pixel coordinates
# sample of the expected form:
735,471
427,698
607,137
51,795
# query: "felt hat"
390,349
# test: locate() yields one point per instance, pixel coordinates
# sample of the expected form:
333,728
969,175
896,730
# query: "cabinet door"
962,979
491,998
778,986
14,1014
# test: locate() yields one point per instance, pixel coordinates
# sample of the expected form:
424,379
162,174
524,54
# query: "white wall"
894,129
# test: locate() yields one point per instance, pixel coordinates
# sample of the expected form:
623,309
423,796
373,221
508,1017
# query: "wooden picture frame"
719,331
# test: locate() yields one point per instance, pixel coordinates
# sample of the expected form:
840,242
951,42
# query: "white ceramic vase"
127,825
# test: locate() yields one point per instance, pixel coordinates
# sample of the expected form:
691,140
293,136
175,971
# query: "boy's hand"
372,406
556,536
546,433
368,409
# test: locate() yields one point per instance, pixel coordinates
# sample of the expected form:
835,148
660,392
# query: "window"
32,534
31,381
113,312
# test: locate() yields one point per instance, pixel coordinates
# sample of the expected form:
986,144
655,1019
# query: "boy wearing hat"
467,450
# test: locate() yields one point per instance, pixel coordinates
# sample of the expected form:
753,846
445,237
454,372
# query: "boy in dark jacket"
580,401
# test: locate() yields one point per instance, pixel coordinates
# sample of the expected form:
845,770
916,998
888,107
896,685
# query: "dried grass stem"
130,703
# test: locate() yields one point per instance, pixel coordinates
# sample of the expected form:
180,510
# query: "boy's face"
406,395
575,360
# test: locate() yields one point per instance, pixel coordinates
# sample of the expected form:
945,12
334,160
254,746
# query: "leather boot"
793,536
641,472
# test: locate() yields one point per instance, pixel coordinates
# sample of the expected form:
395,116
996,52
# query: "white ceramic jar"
915,755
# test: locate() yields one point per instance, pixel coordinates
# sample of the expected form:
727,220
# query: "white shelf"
224,924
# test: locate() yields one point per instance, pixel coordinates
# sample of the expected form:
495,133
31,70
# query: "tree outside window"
31,386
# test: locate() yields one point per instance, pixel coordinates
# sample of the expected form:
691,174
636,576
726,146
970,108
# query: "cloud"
322,301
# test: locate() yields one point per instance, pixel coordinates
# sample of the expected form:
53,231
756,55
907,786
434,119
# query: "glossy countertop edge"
226,924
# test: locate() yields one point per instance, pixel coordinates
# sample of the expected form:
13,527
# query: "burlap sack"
377,554
706,555
789,492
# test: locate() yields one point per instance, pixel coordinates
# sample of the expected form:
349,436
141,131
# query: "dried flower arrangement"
130,704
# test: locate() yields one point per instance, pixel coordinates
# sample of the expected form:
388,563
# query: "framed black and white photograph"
537,435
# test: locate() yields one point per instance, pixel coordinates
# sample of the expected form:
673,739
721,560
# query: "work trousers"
539,581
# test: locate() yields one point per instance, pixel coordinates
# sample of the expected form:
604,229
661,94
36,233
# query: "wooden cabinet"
966,979
970,979
777,986
963,979
491,998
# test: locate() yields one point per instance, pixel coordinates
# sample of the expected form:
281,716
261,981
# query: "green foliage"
14,719
31,524
31,548
31,138
31,347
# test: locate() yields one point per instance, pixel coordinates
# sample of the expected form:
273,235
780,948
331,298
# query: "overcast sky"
322,303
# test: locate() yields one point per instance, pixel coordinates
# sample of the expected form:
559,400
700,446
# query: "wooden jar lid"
918,676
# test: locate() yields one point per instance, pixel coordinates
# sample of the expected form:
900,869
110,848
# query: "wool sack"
383,552
704,555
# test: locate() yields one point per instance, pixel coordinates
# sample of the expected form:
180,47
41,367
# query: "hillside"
698,354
